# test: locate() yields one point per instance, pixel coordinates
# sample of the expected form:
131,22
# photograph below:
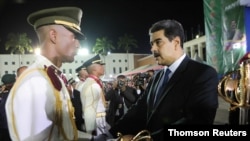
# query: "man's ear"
176,41
52,35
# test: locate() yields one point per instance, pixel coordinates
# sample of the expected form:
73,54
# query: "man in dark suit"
189,97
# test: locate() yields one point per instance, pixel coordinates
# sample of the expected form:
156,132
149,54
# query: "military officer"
82,75
38,107
92,97
75,98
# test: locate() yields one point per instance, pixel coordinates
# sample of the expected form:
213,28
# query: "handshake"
101,137
144,135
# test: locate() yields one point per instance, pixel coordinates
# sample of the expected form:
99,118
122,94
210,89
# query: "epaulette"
53,75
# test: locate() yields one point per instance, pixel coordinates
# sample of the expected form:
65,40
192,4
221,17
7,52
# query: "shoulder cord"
58,115
103,99
102,92
102,96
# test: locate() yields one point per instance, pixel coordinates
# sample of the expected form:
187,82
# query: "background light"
37,51
83,51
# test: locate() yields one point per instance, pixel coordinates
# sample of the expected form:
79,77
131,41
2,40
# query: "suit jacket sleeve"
133,121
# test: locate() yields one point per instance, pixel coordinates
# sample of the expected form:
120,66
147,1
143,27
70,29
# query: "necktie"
162,84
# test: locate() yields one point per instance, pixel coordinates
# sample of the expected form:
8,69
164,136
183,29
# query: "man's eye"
158,42
76,37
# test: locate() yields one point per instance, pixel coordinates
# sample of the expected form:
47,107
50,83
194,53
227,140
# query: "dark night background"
107,18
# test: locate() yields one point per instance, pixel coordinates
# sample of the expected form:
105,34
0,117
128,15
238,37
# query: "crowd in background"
184,92
8,81
120,94
124,92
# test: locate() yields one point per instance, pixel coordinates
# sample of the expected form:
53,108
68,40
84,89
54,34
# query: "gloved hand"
101,137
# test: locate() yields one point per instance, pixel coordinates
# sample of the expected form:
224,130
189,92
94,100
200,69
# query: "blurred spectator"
108,86
75,98
120,98
141,81
82,75
8,81
20,70
150,75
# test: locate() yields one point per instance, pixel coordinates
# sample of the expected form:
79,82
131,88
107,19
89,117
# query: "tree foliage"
103,45
126,42
18,43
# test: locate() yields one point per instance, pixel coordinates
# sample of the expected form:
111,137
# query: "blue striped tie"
162,84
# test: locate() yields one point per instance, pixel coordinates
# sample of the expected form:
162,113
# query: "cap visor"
79,35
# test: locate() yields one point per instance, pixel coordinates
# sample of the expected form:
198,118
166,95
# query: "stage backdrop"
225,34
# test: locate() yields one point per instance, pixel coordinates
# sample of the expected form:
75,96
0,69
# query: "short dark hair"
151,71
20,70
121,77
172,29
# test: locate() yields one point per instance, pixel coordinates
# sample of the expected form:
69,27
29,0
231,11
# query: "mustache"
156,54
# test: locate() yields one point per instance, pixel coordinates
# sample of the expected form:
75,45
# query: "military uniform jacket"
36,111
93,106
79,85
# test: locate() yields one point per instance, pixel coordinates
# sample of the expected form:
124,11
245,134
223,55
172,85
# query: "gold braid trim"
102,95
58,116
103,99
72,118
92,104
70,24
142,135
12,94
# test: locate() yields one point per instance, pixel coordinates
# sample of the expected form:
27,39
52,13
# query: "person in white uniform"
75,98
92,98
39,107
82,75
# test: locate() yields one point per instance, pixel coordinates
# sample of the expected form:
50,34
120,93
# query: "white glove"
101,137
82,136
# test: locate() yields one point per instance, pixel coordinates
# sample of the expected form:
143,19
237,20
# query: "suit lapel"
151,93
174,79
